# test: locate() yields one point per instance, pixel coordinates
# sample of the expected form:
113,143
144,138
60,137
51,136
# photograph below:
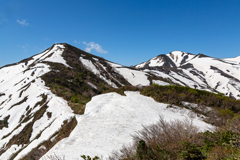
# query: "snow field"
110,120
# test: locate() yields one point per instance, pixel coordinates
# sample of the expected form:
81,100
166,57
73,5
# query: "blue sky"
123,31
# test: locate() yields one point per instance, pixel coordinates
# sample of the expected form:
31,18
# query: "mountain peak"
172,59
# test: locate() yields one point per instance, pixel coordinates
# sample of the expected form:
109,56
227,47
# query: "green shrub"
75,99
89,158
190,151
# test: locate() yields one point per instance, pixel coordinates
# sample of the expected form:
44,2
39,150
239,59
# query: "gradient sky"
123,31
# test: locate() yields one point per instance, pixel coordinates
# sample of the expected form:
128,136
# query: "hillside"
63,92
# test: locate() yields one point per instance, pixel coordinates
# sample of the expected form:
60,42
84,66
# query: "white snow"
134,77
163,75
110,120
177,57
207,76
141,65
233,60
154,62
212,77
90,66
95,59
161,83
92,85
195,78
57,55
114,65
157,61
187,81
14,148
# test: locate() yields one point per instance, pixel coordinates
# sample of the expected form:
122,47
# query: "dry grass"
181,140
163,140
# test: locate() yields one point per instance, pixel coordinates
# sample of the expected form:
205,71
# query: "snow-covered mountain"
30,107
197,71
58,94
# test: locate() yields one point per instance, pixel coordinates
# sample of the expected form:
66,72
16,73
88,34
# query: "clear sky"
123,31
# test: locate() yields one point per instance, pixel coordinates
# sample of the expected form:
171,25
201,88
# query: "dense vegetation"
4,122
176,94
71,84
222,107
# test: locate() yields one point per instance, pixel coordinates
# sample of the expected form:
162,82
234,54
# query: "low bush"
89,158
4,122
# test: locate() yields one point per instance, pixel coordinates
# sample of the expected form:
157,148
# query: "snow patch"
161,83
134,77
92,85
56,57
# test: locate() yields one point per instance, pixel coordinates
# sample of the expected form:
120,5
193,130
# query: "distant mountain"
44,97
197,71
